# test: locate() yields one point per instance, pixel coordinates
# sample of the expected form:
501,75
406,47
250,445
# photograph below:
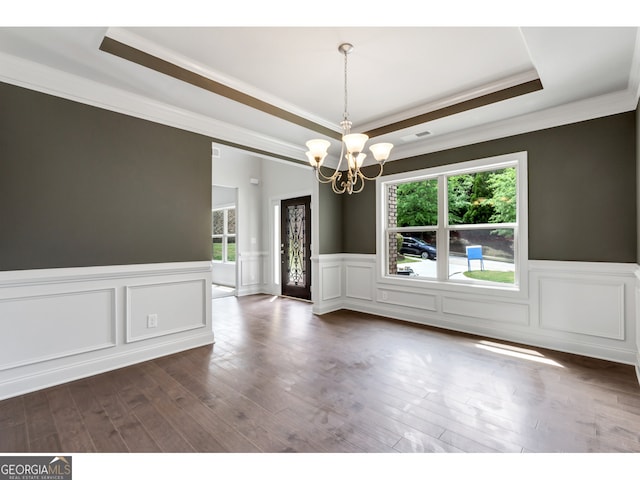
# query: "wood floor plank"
169,439
127,382
12,412
244,415
72,432
198,437
40,423
203,431
13,438
421,443
49,443
104,434
133,433
230,438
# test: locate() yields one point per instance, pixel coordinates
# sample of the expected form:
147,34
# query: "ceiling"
270,89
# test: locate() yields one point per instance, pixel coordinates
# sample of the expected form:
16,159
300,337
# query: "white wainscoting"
159,299
637,350
59,325
252,269
326,283
582,306
223,274
578,307
485,310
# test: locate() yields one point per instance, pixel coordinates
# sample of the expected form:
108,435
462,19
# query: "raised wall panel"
494,311
408,299
44,327
179,306
359,281
331,281
223,273
250,271
581,306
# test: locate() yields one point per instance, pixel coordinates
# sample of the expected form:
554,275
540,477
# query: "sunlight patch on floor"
517,352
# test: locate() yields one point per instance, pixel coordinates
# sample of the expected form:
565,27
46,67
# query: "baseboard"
249,290
323,308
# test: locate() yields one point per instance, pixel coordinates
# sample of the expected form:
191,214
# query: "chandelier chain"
346,112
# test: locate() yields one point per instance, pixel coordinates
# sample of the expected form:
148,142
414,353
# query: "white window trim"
225,235
521,246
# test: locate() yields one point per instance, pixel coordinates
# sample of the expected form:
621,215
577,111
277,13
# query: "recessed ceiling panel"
390,71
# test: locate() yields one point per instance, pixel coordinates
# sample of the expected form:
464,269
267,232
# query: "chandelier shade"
352,179
317,151
355,142
381,151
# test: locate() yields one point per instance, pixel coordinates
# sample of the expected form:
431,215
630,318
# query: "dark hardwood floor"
280,379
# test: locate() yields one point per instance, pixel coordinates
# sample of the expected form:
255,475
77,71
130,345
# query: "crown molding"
634,74
589,109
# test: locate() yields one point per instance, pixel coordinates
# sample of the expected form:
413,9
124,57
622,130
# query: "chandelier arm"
325,178
322,179
359,179
374,177
347,187
334,185
336,173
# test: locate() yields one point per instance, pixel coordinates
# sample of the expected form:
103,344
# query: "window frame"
225,235
518,160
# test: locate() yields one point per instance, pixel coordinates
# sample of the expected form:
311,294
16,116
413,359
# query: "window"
461,224
223,222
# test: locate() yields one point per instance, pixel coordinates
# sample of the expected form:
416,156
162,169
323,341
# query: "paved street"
457,265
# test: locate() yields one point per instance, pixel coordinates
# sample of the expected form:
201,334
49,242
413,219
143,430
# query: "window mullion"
442,235
225,253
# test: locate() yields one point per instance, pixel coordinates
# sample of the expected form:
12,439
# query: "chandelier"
352,179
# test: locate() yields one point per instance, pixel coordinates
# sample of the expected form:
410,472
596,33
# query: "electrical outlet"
152,320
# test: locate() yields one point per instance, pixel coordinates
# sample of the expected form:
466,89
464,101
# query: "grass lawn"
407,260
231,252
491,276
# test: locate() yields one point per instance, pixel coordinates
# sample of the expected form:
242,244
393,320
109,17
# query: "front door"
295,247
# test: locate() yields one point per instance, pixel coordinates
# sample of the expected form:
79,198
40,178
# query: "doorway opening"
224,222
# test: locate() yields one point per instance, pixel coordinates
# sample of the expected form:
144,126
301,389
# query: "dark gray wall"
330,220
582,190
82,186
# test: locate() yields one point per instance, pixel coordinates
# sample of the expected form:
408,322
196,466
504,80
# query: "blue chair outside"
474,253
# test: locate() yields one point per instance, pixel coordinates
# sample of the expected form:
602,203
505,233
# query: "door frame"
297,291
274,249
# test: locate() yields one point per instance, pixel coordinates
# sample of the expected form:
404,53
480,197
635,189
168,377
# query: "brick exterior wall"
392,197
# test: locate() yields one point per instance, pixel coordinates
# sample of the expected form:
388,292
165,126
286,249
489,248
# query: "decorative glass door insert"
295,247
